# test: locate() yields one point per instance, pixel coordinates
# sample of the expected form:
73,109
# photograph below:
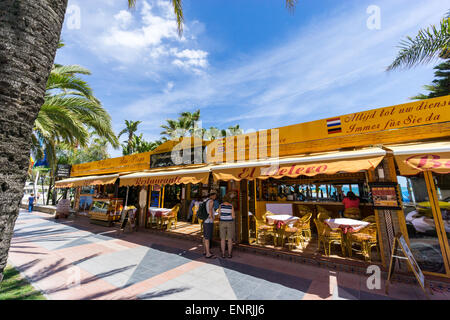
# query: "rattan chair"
352,213
171,218
295,234
302,210
327,236
322,216
304,224
324,211
370,219
366,238
263,229
194,213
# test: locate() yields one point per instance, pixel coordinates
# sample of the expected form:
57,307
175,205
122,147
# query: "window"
421,224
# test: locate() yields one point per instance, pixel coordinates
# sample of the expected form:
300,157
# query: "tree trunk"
29,33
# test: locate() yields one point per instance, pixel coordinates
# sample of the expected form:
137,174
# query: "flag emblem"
334,125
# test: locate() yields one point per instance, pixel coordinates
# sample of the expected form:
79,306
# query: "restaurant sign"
63,171
414,164
135,162
199,177
290,140
295,170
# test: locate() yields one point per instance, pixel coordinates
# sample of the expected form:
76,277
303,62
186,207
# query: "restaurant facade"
288,184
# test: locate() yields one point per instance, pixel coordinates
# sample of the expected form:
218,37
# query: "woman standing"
226,225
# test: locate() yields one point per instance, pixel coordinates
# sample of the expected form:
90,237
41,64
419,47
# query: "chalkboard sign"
400,246
63,171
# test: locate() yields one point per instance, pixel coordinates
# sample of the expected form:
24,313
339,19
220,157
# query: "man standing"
31,202
208,224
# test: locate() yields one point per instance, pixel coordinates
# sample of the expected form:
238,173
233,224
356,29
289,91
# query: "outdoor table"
157,212
347,226
280,220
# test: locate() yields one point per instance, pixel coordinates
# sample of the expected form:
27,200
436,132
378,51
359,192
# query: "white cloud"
124,18
146,37
318,72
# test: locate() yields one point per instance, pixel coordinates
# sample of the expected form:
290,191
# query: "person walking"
226,225
31,200
208,225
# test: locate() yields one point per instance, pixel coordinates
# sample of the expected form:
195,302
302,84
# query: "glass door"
442,189
423,225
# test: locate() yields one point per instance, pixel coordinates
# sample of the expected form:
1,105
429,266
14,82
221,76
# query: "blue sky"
246,62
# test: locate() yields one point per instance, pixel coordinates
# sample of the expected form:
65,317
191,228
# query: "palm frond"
178,10
428,45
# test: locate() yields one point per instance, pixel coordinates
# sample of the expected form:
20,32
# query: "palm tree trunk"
29,33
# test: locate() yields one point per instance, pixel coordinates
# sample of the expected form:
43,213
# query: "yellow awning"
412,159
311,165
167,176
87,181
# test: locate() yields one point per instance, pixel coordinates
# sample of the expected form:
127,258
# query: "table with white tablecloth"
158,212
347,226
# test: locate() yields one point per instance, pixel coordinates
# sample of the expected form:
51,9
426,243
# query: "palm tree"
139,145
70,110
30,31
441,84
429,44
182,127
212,133
130,129
232,131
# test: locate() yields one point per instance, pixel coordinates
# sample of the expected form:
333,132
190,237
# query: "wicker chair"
366,238
264,229
327,236
302,210
370,219
171,218
352,213
295,234
324,211
194,213
304,225
322,216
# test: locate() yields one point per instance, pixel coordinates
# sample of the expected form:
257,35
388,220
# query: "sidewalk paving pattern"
52,254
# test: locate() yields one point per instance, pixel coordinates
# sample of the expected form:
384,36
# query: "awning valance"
87,181
412,159
311,165
166,176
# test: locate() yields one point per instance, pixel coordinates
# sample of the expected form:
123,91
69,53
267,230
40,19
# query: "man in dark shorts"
208,225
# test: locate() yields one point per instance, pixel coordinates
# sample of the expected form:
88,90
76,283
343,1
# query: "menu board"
385,195
400,246
412,261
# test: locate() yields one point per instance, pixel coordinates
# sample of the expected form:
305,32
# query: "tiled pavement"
53,254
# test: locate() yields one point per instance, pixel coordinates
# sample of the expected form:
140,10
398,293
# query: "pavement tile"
149,266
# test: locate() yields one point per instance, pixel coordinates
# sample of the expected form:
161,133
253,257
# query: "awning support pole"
126,198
